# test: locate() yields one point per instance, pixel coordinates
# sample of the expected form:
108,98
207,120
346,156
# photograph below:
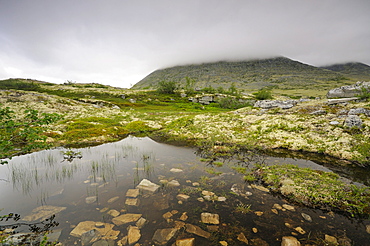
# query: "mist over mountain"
277,72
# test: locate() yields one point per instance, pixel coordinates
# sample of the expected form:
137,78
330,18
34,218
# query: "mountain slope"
279,72
356,70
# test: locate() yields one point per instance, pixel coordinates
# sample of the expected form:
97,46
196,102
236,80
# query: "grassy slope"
279,73
355,70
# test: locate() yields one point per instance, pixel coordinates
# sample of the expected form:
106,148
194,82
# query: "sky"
119,42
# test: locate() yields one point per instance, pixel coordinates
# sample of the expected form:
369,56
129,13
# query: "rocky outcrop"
267,104
353,121
349,90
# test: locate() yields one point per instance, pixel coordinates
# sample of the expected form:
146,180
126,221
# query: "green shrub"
167,87
263,94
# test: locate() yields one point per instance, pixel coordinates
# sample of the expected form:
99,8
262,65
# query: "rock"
176,170
126,218
113,213
132,202
197,231
163,236
132,193
141,223
103,243
113,199
300,230
133,234
207,193
290,241
277,206
167,215
288,207
342,100
349,90
274,210
185,242
258,213
306,217
209,218
161,202
221,199
242,238
179,224
195,184
223,243
43,212
334,123
132,100
353,121
99,225
115,107
318,112
259,187
147,187
107,231
173,183
184,216
255,230
331,240
267,104
90,199
357,111
368,229
89,237
182,197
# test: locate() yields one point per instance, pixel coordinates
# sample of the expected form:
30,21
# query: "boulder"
357,111
349,90
267,104
353,121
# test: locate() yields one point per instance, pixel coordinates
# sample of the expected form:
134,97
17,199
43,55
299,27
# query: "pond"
139,190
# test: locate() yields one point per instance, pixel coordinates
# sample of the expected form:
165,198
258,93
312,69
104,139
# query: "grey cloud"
119,42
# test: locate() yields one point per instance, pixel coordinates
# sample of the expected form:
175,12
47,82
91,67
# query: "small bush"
166,87
263,94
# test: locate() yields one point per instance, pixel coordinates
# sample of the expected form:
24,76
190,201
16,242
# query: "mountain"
279,73
356,70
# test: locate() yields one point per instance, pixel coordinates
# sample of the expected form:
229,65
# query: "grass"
316,189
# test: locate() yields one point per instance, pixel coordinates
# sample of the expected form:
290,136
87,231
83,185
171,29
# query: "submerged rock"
290,241
43,212
163,236
306,217
132,193
197,231
90,199
242,238
147,186
126,218
209,218
331,240
107,231
133,234
185,242
113,199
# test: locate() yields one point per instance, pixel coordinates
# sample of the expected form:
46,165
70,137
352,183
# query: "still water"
91,187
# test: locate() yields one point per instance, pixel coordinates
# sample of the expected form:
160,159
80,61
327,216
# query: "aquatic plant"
243,208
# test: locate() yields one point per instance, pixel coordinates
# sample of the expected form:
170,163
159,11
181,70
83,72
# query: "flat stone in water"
163,236
133,234
132,202
126,218
176,170
43,212
288,207
185,242
306,217
368,229
209,218
85,226
113,199
147,186
182,197
259,187
242,238
197,231
113,213
90,199
133,193
173,183
290,241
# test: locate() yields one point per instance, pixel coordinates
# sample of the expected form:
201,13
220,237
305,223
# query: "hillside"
279,73
356,70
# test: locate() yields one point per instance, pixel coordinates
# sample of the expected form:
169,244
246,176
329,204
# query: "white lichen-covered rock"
266,104
353,121
349,90
147,186
209,218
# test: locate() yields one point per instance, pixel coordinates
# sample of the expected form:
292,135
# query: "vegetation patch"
316,188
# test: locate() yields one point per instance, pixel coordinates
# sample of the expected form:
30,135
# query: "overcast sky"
120,42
